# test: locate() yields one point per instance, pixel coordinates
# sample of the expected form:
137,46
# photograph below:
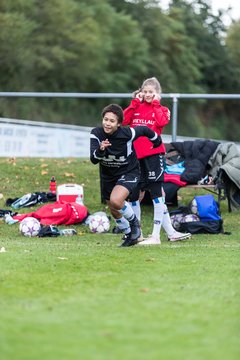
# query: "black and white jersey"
119,158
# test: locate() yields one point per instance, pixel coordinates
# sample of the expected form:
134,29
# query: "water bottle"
68,232
53,185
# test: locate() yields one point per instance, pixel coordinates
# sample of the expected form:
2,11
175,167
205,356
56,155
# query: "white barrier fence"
174,96
22,138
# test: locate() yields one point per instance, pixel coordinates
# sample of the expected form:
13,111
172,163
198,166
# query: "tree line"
112,46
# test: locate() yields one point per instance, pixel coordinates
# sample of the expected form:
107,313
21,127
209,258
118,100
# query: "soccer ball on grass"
29,226
176,219
194,207
99,224
190,218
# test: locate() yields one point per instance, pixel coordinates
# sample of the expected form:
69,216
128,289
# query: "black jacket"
196,155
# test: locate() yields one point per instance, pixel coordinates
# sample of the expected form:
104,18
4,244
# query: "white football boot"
141,238
176,236
151,240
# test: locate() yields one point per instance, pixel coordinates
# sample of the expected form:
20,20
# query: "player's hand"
104,144
157,142
140,96
156,96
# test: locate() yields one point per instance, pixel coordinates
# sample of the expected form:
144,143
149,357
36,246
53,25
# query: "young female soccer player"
112,146
146,109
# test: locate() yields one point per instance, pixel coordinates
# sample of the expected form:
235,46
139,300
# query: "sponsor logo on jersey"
112,158
143,122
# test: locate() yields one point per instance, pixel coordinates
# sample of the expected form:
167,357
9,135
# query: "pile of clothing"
190,162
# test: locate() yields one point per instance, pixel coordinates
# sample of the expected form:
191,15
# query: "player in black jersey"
112,146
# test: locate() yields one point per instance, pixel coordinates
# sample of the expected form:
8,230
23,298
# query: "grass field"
83,297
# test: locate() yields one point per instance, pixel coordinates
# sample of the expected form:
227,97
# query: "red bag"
58,213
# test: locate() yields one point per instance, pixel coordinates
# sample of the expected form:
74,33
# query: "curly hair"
115,109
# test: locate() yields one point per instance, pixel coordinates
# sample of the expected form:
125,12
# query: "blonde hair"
152,82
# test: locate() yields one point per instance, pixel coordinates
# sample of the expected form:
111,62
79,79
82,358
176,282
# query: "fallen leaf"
69,175
145,290
44,165
81,233
107,334
150,259
44,172
12,160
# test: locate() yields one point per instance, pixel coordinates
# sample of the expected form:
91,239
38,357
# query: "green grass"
82,297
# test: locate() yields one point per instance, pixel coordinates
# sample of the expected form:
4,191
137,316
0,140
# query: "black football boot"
132,238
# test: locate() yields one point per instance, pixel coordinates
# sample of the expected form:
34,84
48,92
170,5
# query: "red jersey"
155,116
58,213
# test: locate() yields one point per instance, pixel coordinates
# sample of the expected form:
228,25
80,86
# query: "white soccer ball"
176,220
99,224
190,218
194,207
29,226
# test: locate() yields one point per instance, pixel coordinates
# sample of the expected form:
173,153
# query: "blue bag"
207,207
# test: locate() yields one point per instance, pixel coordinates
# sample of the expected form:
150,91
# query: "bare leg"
141,195
117,199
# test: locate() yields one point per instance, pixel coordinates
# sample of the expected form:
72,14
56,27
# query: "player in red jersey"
146,110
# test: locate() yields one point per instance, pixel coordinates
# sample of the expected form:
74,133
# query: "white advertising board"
20,138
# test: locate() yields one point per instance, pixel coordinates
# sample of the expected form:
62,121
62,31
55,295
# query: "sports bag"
202,227
202,216
207,208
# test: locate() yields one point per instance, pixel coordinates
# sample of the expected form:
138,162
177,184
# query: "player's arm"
96,151
128,112
149,133
162,113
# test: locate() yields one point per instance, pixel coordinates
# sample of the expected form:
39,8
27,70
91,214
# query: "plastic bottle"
68,232
53,185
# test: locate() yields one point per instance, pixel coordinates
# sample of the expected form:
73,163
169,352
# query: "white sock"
136,209
127,211
123,224
158,204
167,224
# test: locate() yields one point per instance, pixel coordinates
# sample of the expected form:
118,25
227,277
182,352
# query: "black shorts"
152,171
129,181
